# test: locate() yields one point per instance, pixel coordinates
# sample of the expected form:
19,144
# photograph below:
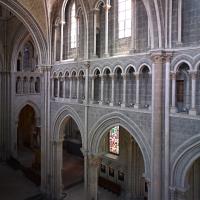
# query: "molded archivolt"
32,26
115,119
33,105
182,160
62,116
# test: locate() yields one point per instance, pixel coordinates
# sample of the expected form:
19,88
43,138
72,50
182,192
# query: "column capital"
173,75
137,75
158,58
87,64
113,76
102,76
168,56
107,6
85,152
95,10
193,74
95,160
125,76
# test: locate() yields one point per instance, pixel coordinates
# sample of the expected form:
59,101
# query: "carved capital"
193,75
173,75
95,160
107,7
158,59
137,76
125,76
87,64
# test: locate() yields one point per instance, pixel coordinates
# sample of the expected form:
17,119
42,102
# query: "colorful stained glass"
114,140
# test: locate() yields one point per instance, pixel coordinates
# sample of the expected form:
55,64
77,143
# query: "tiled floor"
14,186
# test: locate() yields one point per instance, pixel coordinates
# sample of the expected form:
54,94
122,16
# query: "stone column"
102,89
78,89
58,90
70,87
61,40
130,169
92,95
64,87
45,130
156,132
167,125
86,172
133,27
173,107
56,170
106,7
124,91
179,22
87,69
137,102
94,164
95,33
52,87
77,37
112,90
192,110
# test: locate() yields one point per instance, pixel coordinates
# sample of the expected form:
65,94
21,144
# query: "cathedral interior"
99,99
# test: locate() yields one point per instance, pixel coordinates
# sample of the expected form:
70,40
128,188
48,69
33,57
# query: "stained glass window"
124,18
73,26
114,140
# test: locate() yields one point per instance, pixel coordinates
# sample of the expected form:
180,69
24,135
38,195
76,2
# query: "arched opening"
121,169
145,88
193,181
73,162
198,90
99,26
131,87
61,86
74,85
81,89
183,88
28,143
55,91
118,90
97,86
67,85
108,87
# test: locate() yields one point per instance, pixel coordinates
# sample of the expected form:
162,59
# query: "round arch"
25,17
115,118
182,160
61,117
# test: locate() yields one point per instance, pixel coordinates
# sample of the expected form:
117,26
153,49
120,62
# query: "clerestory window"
73,27
124,18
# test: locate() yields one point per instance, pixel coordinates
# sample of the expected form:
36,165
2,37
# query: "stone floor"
73,170
14,185
77,193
